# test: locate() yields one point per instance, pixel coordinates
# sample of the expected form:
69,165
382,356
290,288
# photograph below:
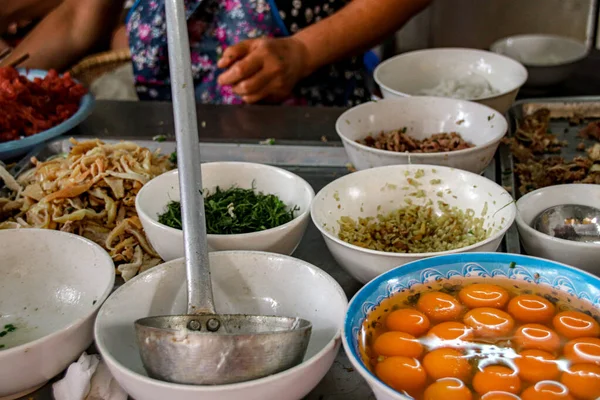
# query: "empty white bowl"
153,198
535,243
384,189
51,286
409,73
549,59
243,282
422,117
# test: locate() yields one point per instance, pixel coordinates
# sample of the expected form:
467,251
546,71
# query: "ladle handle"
199,287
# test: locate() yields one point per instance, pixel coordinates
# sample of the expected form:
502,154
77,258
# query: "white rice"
471,87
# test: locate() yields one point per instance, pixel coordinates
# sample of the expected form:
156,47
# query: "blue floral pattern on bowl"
561,277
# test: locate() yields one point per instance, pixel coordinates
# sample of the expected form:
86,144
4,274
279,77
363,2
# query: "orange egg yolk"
583,350
402,373
409,321
483,295
447,389
531,308
496,378
397,344
537,365
546,390
489,322
439,306
538,337
449,334
447,363
575,324
583,381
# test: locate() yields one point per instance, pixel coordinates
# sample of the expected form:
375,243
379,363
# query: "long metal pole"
200,296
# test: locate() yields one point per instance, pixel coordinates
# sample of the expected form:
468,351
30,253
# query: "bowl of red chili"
38,106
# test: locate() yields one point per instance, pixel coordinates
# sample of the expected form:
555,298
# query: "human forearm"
68,33
12,11
357,27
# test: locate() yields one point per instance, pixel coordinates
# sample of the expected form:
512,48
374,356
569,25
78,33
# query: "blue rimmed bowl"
16,148
574,282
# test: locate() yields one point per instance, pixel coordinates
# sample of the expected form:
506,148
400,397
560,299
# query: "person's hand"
264,69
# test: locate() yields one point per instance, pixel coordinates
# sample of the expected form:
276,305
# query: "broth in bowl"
479,326
474,337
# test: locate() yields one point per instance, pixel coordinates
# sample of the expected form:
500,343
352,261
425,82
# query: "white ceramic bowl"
549,59
422,117
51,286
381,190
409,73
243,282
581,255
153,198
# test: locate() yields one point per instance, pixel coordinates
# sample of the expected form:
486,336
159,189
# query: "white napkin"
88,379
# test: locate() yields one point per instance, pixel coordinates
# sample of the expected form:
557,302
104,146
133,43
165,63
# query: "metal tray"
561,109
319,165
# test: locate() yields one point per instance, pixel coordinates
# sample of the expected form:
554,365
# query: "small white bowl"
244,282
51,285
549,59
381,190
153,198
422,117
535,243
409,73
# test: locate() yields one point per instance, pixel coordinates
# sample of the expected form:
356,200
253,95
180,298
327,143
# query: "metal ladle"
570,222
203,347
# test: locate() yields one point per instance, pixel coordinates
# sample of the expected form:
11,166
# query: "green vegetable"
159,138
512,265
235,211
173,157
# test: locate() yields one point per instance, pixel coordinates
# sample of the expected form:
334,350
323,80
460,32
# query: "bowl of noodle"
90,191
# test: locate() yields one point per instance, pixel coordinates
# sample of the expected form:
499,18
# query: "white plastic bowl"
422,117
51,286
153,198
381,190
549,59
409,73
243,282
581,255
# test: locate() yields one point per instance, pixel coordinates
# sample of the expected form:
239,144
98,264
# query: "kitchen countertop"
287,125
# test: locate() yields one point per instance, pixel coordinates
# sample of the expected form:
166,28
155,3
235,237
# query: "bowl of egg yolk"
488,326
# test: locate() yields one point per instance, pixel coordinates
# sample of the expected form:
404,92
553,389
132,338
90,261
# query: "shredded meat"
30,107
399,141
536,152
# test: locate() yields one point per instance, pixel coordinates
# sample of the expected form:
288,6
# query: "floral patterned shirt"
214,25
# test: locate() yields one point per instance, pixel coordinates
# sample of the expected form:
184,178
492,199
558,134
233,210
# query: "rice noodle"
90,192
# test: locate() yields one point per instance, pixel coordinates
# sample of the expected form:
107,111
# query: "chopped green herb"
159,138
404,130
235,211
512,265
268,142
173,157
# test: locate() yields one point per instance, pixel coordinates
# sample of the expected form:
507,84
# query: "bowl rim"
566,39
146,380
517,64
80,320
87,104
415,266
297,219
509,222
491,142
542,236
